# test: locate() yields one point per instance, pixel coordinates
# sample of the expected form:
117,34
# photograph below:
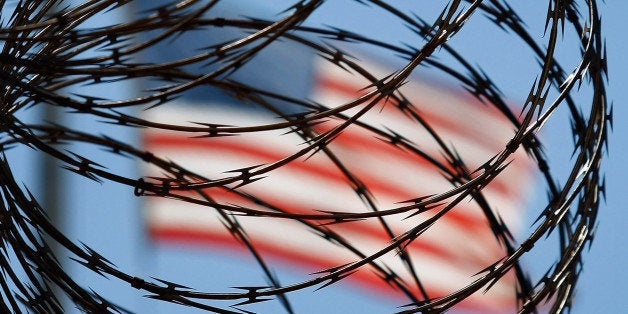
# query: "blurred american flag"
445,258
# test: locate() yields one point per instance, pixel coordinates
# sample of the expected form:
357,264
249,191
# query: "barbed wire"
46,50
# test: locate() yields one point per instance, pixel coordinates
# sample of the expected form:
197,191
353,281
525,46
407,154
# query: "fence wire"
47,50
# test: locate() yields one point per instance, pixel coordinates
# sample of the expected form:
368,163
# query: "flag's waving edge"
445,257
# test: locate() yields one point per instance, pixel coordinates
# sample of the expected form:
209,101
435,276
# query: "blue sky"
602,285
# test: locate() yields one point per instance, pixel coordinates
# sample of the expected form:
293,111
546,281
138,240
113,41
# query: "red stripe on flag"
160,141
372,229
352,139
349,87
365,279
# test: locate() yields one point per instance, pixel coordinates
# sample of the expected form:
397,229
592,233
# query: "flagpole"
51,185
